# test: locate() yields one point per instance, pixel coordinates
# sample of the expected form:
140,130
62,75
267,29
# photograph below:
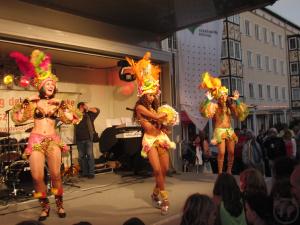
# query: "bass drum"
18,176
9,150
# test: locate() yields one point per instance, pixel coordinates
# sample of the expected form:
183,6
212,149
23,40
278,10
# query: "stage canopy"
160,17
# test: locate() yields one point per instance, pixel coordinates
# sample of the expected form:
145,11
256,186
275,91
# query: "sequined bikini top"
39,114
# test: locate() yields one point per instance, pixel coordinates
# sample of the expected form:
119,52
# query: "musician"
153,119
44,143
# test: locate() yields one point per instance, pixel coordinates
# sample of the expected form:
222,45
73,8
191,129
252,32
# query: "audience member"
238,164
290,144
30,222
199,210
283,168
252,182
258,209
285,206
252,154
228,197
134,221
295,183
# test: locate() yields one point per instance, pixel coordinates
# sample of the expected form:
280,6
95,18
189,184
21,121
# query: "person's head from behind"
252,181
134,221
249,134
295,183
30,222
283,167
226,190
199,210
258,207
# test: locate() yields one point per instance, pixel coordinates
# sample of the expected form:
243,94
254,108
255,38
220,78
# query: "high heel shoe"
45,208
59,204
156,202
165,202
164,207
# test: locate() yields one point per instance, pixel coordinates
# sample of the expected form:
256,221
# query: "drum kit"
14,169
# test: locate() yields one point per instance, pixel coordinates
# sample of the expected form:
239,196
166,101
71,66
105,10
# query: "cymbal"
4,134
28,130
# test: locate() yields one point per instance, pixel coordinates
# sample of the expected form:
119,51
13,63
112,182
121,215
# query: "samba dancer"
221,112
155,122
44,143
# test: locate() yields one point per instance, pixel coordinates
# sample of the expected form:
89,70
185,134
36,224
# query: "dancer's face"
223,98
150,97
49,88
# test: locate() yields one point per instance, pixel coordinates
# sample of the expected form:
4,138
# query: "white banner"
199,50
10,97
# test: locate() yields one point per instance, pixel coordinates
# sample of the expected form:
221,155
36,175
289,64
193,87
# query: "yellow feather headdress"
212,84
147,75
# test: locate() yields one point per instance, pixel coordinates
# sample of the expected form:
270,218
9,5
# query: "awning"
184,118
161,17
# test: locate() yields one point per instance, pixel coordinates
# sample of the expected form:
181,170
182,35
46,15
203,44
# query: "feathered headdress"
147,75
213,85
37,67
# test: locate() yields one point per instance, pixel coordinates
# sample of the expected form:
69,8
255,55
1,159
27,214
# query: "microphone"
130,109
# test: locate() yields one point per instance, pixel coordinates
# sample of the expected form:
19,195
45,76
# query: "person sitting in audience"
198,210
295,183
258,209
134,221
252,182
227,196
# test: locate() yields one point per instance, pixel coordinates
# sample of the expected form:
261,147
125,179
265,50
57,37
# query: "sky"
288,9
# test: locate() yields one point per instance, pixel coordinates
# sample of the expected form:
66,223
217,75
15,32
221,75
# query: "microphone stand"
70,172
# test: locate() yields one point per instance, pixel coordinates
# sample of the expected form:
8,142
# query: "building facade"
255,61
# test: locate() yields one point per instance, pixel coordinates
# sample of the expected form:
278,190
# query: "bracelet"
238,102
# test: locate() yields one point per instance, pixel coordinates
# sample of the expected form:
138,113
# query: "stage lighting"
126,73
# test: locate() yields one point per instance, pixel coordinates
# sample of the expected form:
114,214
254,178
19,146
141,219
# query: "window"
276,93
225,82
251,90
296,93
237,50
247,27
292,43
269,91
258,61
260,91
240,86
275,65
224,51
283,93
172,42
267,63
280,41
294,68
257,35
249,58
265,34
236,19
282,71
273,38
231,49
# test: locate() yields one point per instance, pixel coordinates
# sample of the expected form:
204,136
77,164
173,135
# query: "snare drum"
18,176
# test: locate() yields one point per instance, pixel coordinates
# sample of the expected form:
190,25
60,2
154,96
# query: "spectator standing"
84,132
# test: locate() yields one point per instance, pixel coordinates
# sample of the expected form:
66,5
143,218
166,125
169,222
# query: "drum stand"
71,172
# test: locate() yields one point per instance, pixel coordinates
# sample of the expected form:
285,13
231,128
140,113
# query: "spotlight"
126,73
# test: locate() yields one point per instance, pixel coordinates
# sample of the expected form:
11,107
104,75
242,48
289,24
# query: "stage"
112,198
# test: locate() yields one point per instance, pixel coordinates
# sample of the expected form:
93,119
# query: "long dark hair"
197,210
143,100
227,188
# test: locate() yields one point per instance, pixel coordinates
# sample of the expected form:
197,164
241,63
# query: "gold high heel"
165,203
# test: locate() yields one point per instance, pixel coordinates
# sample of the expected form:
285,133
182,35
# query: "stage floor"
112,199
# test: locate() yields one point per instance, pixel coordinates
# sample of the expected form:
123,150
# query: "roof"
161,17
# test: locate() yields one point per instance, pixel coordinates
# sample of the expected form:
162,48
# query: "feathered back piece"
212,84
147,75
38,67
